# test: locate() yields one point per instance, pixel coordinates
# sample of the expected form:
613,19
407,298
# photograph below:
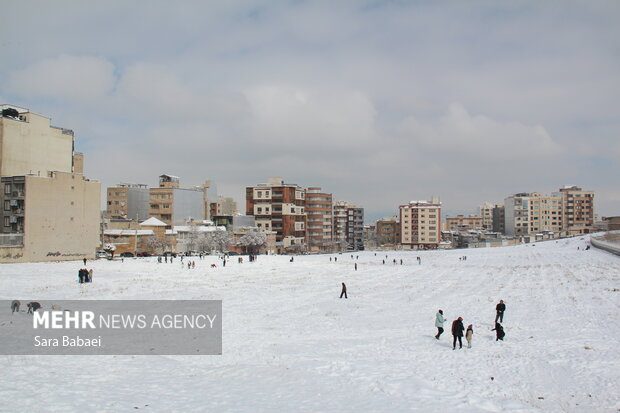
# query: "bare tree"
220,240
192,238
252,241
158,246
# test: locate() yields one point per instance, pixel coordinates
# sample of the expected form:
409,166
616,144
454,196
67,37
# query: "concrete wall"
138,203
609,242
187,204
61,220
34,147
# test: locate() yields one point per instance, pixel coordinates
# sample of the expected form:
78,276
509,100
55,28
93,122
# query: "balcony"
11,240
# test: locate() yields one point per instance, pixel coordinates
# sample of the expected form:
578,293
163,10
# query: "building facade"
355,228
462,222
420,224
499,219
486,213
577,210
51,218
174,205
279,207
223,206
528,214
319,229
128,201
50,212
388,231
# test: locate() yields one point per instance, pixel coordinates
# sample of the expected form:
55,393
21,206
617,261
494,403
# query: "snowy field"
291,345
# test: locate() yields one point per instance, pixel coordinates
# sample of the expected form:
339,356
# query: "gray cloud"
378,102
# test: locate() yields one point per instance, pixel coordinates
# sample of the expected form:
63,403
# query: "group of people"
85,276
32,306
458,327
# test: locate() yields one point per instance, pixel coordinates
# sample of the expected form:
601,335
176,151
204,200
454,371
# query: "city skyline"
378,103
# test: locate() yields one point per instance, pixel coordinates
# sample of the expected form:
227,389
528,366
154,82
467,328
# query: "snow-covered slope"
291,345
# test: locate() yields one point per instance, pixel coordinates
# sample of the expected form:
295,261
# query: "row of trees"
212,241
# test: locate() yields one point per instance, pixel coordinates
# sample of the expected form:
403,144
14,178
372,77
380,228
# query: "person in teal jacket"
439,320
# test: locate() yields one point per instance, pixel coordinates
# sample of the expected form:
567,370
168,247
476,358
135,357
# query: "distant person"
84,261
344,291
439,320
15,306
457,332
355,266
90,275
469,335
500,308
33,306
499,332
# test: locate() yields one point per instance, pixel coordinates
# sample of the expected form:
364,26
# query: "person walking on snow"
439,320
344,291
500,308
469,334
457,332
499,332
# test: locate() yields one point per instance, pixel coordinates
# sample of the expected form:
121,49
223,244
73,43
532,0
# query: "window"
7,188
7,206
7,223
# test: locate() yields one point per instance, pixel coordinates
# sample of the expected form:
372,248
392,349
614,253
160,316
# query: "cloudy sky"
378,102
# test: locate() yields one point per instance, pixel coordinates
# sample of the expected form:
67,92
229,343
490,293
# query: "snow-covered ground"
291,345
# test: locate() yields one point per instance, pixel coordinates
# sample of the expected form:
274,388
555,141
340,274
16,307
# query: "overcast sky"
378,102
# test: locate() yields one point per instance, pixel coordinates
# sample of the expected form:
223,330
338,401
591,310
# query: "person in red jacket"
457,332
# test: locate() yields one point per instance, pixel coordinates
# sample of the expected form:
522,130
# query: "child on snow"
469,334
499,331
439,320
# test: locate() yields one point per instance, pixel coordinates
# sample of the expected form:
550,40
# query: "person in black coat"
499,332
457,332
500,308
344,291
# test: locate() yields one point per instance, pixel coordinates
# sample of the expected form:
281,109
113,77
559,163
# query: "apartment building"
463,223
420,224
280,207
339,226
370,237
486,213
355,228
174,205
319,210
128,201
499,219
50,212
528,214
388,231
224,206
348,226
577,210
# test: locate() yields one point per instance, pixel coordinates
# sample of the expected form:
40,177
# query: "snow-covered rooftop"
153,222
